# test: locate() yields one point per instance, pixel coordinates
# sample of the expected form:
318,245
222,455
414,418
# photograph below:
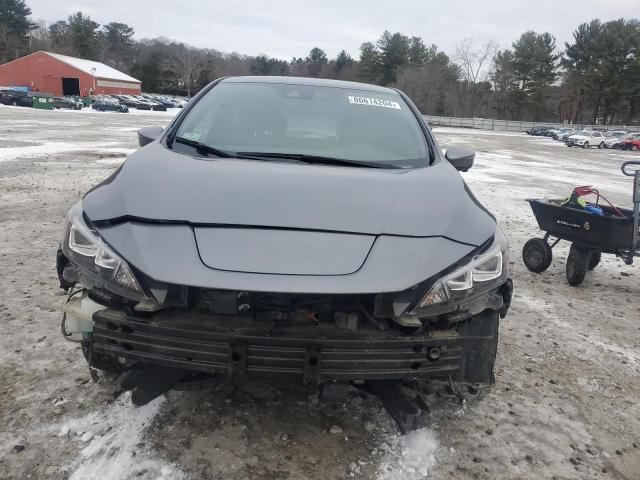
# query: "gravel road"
566,403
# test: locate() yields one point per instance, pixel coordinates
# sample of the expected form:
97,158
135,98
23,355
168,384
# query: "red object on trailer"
63,75
589,190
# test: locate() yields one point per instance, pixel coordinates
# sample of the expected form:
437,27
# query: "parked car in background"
586,139
67,102
150,103
535,130
159,99
17,98
129,101
566,134
108,105
632,142
613,139
557,132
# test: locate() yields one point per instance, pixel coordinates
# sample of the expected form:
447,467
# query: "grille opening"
415,365
236,357
126,329
313,361
127,346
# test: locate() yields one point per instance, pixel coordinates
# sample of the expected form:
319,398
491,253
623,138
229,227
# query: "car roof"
315,82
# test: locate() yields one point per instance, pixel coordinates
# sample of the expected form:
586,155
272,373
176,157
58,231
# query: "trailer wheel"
537,255
577,265
594,259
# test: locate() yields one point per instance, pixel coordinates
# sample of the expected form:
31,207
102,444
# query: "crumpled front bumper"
238,347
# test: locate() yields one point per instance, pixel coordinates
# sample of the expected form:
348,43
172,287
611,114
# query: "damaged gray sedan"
304,228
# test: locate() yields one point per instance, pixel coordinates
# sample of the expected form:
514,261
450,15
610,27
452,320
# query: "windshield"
340,123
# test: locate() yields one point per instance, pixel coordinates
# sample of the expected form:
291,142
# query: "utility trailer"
611,231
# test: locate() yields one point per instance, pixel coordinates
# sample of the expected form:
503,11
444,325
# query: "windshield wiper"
316,159
202,147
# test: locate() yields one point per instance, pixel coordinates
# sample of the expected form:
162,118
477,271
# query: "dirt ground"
566,404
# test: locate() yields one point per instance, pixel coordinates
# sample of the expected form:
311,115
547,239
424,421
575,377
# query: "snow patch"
408,457
111,443
49,148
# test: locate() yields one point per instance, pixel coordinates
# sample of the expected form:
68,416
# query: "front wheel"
601,145
577,265
537,255
585,145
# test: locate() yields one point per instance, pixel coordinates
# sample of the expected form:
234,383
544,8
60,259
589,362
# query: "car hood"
158,185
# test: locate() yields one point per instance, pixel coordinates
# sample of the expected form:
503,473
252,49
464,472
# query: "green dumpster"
42,101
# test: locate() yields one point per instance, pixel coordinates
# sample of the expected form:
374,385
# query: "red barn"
62,75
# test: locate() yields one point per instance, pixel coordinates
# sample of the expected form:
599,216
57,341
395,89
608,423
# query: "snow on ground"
53,148
565,403
408,457
110,443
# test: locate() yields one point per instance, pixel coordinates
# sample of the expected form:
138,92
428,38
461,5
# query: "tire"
537,255
634,148
100,361
577,263
601,145
585,145
569,145
479,357
616,147
594,259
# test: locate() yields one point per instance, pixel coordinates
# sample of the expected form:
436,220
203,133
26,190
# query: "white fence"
511,125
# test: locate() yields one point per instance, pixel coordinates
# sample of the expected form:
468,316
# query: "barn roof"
88,66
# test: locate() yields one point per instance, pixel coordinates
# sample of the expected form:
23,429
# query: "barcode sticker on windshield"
376,102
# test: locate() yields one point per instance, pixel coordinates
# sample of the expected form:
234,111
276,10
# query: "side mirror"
147,135
460,158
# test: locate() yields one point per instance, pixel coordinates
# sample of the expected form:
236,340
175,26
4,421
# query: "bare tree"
40,38
476,64
187,64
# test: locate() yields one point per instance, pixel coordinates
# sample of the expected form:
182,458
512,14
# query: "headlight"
482,274
86,250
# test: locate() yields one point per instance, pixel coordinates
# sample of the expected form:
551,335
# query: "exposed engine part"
77,316
345,320
409,321
148,306
344,311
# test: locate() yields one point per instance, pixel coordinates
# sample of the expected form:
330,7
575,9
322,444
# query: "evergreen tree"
83,33
15,26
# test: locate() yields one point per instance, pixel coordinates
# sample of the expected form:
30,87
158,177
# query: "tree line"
594,78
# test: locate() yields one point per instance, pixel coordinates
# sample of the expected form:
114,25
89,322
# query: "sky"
287,28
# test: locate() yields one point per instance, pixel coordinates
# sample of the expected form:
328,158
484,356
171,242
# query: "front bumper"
238,347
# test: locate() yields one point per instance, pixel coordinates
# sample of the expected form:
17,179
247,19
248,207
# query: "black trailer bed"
607,233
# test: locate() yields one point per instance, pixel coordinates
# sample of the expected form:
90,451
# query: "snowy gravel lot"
566,404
